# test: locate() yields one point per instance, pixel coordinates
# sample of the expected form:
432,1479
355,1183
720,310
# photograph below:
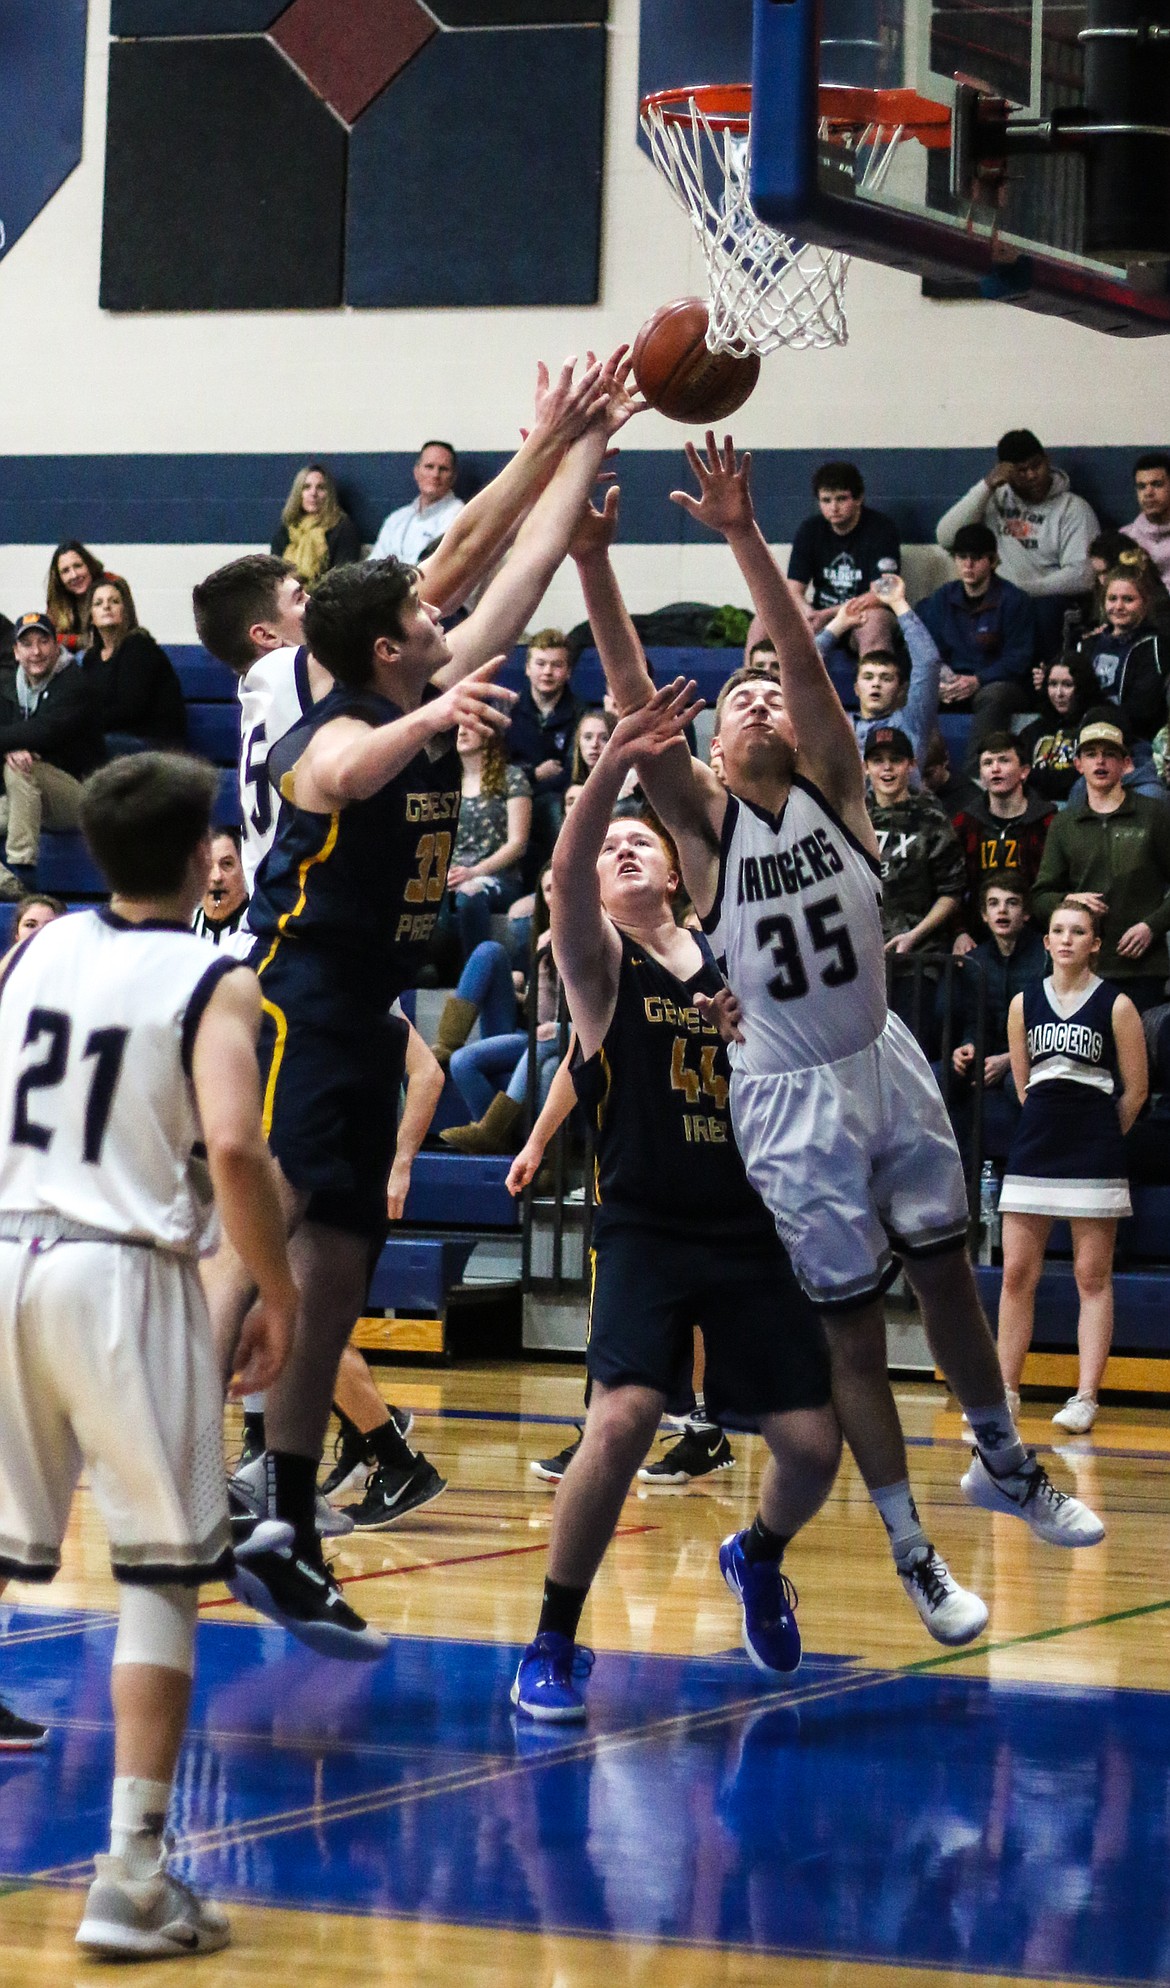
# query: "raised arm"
683,792
585,942
516,591
348,760
828,749
564,407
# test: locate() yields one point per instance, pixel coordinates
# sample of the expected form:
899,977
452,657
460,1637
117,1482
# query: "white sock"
138,1816
996,1438
899,1515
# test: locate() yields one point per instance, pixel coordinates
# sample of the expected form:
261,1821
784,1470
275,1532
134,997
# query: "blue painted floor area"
914,1818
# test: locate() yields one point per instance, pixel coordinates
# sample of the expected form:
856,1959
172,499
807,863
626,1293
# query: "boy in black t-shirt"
843,552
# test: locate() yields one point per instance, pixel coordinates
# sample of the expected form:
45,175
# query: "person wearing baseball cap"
922,863
49,738
1112,850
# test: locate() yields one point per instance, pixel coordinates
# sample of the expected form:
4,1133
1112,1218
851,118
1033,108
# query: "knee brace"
156,1625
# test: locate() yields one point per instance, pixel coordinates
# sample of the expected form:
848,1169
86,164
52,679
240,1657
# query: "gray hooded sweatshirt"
1053,558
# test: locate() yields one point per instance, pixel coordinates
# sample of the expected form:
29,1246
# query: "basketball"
680,376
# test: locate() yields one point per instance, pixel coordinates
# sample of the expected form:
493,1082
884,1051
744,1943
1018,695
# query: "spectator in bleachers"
953,791
922,863
1003,829
1049,742
1079,1063
495,820
1129,660
492,1074
842,551
1113,850
588,745
985,629
32,913
315,533
1042,531
139,698
50,736
409,532
74,572
1151,528
1003,964
220,917
881,686
541,733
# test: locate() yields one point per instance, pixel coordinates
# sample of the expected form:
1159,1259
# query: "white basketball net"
766,290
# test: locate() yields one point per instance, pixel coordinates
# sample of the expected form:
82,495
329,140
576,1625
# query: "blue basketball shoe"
549,1677
770,1635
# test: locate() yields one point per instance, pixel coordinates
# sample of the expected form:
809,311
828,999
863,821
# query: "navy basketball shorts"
331,1067
765,1346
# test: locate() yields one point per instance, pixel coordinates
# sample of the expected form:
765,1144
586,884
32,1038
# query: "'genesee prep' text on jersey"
365,883
796,923
98,1123
274,696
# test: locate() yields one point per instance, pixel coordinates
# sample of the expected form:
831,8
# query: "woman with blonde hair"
73,574
315,533
138,696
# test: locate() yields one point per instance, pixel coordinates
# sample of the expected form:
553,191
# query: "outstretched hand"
656,726
596,529
724,503
724,1010
623,400
480,706
564,406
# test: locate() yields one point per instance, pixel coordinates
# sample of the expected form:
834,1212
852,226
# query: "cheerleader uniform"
1068,1156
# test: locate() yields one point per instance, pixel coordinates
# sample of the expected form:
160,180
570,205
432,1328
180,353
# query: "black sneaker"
390,1494
19,1735
551,1469
302,1595
697,1453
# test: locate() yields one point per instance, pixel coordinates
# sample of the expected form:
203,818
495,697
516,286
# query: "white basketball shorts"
850,1157
107,1364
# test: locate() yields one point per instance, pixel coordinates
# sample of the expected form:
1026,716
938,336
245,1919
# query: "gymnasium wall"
167,439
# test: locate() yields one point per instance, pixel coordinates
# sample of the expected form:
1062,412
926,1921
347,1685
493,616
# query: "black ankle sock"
388,1449
254,1429
293,1494
561,1609
351,1435
760,1543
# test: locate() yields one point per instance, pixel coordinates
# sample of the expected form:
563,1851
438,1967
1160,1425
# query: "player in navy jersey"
839,1120
1079,1063
344,908
679,1237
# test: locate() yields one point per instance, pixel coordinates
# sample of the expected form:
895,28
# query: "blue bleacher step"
65,867
202,678
227,806
1141,1307
213,730
454,1188
417,1273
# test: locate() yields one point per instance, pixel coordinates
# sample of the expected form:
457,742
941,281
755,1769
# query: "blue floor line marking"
931,1819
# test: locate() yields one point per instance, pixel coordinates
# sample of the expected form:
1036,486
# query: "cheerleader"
1079,1064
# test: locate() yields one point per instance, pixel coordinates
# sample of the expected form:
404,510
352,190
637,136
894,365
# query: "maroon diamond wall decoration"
348,50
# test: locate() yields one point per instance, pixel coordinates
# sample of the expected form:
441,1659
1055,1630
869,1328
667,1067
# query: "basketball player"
679,1236
840,1123
123,1045
250,614
344,908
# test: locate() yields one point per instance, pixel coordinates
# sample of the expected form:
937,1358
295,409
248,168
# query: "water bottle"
988,1211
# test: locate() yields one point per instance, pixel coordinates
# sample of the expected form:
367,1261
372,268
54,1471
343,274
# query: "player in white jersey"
838,1117
129,1092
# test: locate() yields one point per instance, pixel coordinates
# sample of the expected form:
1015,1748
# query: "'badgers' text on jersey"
796,923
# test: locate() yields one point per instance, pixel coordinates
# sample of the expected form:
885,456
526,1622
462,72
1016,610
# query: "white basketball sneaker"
951,1613
1078,1414
152,1918
1030,1494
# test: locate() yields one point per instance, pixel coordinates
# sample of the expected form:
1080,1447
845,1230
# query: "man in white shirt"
407,533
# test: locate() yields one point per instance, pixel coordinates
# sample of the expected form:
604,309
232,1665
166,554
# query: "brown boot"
455,1025
500,1130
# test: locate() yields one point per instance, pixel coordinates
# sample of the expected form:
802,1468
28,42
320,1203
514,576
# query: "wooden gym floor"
896,1813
